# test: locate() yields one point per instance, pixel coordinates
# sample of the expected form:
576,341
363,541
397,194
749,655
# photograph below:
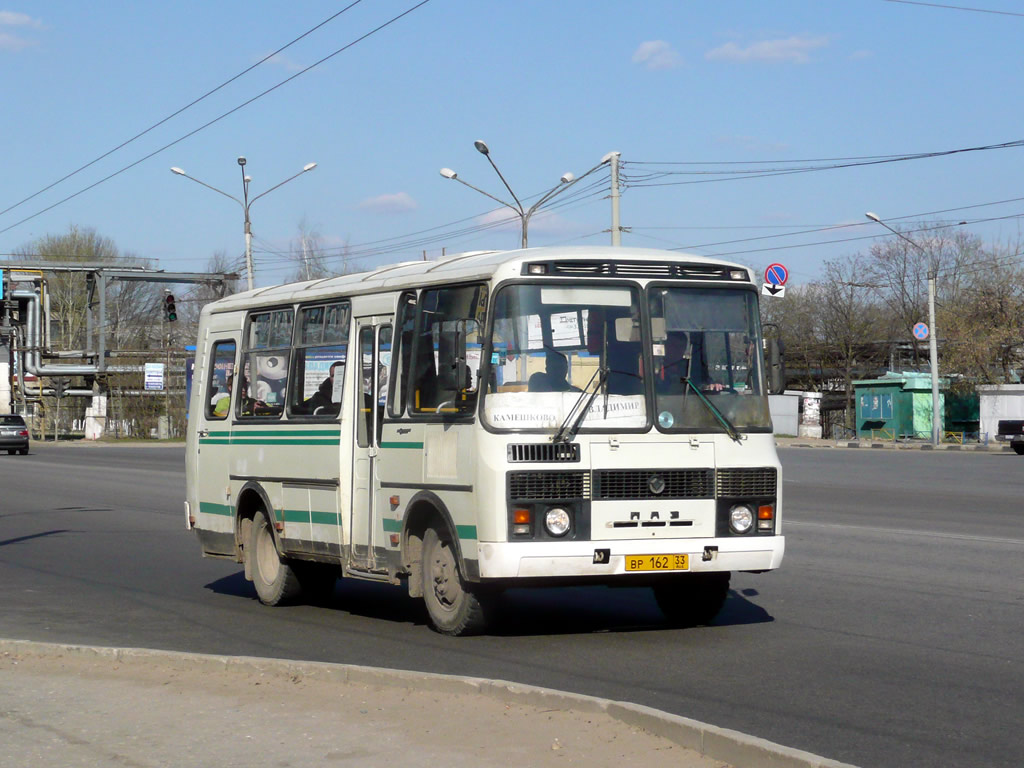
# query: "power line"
179,111
955,7
221,117
650,178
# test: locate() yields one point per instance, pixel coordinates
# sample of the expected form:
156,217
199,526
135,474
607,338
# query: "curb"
722,744
995,448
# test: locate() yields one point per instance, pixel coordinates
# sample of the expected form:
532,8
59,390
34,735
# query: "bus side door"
213,443
373,345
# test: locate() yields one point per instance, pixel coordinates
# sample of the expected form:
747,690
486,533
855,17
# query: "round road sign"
776,274
920,331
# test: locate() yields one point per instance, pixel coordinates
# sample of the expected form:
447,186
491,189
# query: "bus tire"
1018,447
275,581
453,608
692,599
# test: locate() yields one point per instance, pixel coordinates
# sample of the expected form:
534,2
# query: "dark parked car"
13,433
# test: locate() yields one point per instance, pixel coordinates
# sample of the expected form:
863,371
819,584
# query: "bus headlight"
741,519
557,521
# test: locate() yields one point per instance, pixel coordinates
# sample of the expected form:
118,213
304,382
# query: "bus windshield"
707,340
556,347
551,342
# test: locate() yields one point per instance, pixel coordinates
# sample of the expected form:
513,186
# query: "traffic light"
169,308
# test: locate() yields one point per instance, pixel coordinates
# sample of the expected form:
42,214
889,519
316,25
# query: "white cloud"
9,42
13,19
791,49
863,54
401,202
657,54
285,63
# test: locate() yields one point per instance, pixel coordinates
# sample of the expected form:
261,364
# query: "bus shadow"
523,612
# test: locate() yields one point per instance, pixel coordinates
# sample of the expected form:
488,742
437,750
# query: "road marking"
904,532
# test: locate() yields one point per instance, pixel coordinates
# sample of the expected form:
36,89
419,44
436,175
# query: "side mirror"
776,360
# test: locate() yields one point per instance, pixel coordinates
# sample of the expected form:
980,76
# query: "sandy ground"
78,711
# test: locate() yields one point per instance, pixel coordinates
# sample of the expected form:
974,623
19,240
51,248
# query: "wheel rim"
444,577
267,561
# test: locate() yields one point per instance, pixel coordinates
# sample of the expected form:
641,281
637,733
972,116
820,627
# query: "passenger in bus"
322,403
554,376
222,400
682,360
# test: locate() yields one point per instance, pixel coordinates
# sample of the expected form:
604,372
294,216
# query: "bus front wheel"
275,580
452,607
692,599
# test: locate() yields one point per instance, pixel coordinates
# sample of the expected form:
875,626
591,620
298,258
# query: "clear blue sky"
551,85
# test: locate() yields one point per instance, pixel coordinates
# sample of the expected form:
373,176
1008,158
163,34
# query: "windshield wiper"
572,422
728,425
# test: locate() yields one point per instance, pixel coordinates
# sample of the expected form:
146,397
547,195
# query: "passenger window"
368,387
321,352
265,366
447,350
401,354
220,371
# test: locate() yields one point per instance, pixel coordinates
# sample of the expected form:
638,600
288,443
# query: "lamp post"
246,203
566,181
933,347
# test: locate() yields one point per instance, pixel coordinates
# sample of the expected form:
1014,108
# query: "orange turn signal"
765,512
521,516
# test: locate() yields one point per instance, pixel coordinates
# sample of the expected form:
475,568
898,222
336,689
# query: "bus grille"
644,484
736,483
549,485
543,452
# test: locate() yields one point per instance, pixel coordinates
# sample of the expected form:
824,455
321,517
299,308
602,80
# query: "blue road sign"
920,331
776,274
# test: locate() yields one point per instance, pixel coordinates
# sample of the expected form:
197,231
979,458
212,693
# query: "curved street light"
933,345
246,203
524,214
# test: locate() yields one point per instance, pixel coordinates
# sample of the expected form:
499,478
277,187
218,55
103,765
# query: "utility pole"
933,345
613,159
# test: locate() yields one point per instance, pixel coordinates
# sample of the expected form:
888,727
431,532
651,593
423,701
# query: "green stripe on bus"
282,433
395,526
267,441
414,446
210,508
325,518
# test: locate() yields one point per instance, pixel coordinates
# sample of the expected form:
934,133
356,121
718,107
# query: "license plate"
657,562
8,432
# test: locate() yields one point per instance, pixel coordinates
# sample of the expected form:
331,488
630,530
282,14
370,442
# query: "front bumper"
604,559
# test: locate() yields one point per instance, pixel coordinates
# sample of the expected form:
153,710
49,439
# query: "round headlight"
557,521
741,518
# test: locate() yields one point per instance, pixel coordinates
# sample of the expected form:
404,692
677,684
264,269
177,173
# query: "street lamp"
566,181
246,203
933,348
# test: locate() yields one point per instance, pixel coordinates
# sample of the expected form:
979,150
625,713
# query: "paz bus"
541,417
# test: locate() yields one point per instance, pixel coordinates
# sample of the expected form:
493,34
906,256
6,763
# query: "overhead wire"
219,118
182,109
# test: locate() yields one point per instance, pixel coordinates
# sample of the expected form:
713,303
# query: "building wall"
1000,401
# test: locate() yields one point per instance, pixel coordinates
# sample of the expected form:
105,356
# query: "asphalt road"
890,637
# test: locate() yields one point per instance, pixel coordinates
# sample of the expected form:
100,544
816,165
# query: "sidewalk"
899,445
65,706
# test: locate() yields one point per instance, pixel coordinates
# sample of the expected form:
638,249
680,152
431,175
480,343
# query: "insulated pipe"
31,357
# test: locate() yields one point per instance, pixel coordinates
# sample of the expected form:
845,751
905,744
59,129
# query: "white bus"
584,415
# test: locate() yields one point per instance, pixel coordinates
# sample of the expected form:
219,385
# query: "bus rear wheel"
692,599
275,580
453,608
